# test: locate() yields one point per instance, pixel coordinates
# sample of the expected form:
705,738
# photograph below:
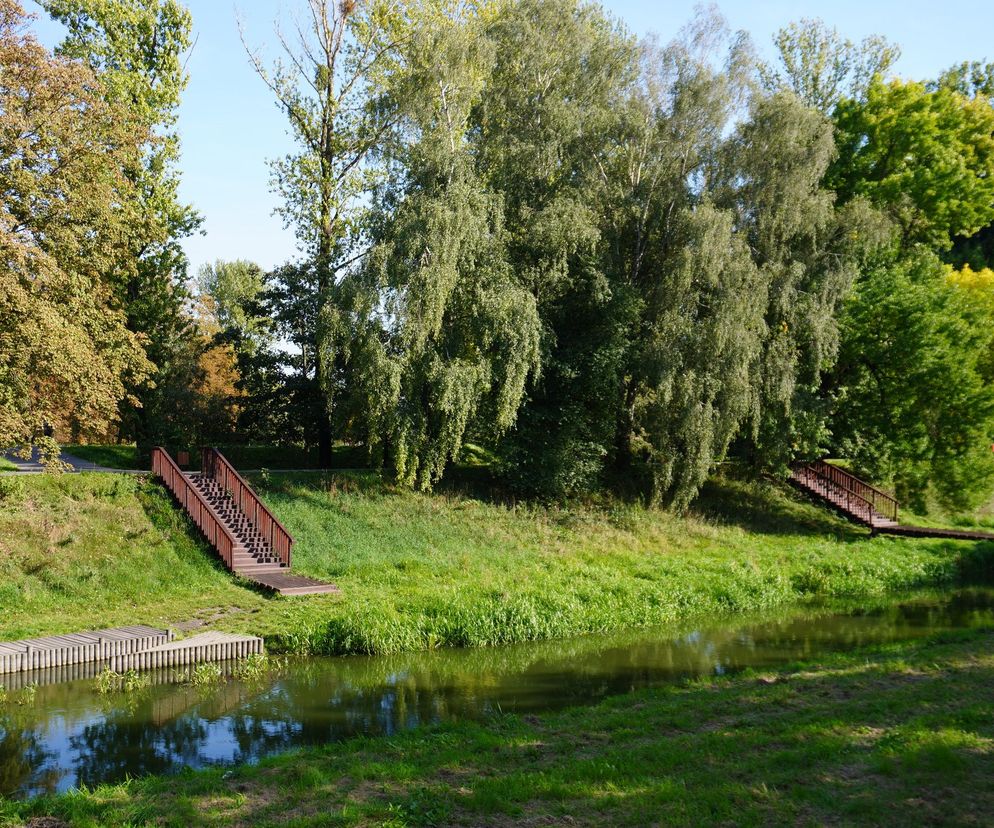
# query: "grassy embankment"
418,571
901,735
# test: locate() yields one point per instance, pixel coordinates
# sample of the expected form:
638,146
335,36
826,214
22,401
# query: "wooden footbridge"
247,536
865,504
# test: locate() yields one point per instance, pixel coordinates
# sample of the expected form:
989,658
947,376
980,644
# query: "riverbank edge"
370,629
799,555
758,547
890,734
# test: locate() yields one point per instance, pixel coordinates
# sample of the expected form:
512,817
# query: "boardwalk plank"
125,648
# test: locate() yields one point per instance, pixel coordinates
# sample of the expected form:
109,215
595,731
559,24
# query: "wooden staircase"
247,536
854,498
863,503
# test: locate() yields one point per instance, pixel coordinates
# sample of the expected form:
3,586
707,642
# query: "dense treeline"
610,263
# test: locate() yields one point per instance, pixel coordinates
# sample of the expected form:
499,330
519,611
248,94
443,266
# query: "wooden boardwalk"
907,531
78,648
122,649
247,536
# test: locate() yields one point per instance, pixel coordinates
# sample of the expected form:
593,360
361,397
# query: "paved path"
75,464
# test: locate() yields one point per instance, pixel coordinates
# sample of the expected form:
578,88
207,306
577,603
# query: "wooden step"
287,584
253,569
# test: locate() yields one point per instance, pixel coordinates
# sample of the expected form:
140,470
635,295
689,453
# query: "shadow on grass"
760,507
767,508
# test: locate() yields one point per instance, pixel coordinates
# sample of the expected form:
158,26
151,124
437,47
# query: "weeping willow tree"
436,335
548,116
808,251
687,384
605,259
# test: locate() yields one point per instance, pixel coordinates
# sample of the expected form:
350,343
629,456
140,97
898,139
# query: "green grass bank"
899,735
421,571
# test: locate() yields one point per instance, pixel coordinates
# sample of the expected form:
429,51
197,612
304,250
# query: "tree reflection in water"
25,761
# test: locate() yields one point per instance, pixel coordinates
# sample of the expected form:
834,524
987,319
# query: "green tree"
823,68
66,357
687,274
285,402
973,79
136,48
232,292
547,114
926,157
438,335
918,406
808,253
325,84
699,296
912,399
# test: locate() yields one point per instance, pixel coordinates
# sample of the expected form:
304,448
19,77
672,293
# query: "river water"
67,734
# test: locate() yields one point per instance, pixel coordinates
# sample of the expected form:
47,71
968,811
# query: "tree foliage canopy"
925,156
608,262
823,68
66,355
918,402
137,48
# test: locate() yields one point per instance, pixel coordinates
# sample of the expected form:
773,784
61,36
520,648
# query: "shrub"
11,489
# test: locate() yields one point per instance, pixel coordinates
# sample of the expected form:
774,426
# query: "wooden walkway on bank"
907,531
122,649
247,536
865,504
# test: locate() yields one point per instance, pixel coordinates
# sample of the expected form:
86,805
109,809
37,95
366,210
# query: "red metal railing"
860,498
214,465
207,520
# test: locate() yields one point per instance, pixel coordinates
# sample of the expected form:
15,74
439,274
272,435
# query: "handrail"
216,466
878,501
204,516
841,472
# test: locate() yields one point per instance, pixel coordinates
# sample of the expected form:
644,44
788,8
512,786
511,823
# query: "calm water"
70,735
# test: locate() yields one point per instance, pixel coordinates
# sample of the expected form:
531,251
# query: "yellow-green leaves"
926,156
66,355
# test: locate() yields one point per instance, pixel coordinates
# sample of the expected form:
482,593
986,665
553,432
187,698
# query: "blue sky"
230,126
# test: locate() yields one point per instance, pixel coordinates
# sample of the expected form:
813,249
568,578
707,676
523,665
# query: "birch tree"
326,84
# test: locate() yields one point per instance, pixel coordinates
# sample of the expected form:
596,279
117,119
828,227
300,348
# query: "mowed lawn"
897,736
419,571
